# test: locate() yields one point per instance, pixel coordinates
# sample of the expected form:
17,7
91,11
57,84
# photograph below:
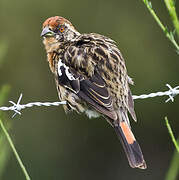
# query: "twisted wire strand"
172,92
17,107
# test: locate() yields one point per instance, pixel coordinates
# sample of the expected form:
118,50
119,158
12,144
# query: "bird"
91,77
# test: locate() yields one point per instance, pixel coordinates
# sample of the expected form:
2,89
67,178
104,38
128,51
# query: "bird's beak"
46,32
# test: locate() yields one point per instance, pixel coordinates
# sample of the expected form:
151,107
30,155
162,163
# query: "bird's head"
56,31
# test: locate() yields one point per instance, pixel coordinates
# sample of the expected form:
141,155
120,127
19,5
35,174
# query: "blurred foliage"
170,4
171,8
3,51
171,134
4,147
174,167
4,154
8,138
4,91
59,146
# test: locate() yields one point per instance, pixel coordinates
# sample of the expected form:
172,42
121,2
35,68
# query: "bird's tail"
130,145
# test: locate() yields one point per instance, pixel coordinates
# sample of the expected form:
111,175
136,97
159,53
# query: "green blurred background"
55,146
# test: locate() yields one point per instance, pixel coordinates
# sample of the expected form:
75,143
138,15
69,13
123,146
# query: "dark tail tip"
132,149
135,156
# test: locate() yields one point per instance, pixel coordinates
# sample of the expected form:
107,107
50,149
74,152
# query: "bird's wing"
91,89
97,57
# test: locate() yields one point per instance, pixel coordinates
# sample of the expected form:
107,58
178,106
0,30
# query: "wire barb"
17,107
172,92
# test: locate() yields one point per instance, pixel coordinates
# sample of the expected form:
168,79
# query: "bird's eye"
61,29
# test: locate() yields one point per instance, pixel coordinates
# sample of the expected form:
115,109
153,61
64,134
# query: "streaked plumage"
91,76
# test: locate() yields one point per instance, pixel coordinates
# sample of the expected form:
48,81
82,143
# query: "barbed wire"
17,107
172,92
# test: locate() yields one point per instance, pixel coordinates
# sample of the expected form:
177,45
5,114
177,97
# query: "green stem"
14,150
171,134
168,34
170,4
174,167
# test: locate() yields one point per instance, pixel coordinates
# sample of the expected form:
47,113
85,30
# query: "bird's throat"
51,44
51,56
